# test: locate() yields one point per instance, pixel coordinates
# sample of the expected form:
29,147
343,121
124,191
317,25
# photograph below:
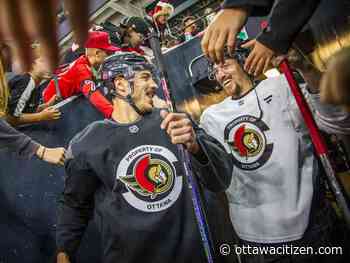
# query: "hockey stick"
318,142
192,182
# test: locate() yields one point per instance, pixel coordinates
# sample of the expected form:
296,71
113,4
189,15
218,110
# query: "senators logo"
149,174
150,178
247,138
247,142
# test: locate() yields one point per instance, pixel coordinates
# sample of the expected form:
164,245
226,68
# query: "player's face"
144,90
229,75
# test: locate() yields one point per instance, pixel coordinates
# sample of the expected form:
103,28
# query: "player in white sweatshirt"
275,196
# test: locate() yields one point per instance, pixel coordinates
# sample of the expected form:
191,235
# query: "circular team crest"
148,173
246,137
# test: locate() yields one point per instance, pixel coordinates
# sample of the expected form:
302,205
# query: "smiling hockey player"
128,171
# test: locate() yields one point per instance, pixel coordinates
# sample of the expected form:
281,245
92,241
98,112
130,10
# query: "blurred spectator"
189,28
336,79
25,96
79,77
5,53
18,142
134,31
159,17
115,32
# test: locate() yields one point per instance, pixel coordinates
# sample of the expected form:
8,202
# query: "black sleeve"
76,206
255,7
16,141
17,86
212,164
287,19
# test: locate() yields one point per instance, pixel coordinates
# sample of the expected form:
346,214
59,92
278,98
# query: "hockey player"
128,171
275,196
79,78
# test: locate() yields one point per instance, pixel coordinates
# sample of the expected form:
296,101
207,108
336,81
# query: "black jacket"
25,96
132,177
287,19
16,141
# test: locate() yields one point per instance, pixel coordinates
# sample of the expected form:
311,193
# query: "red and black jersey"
77,79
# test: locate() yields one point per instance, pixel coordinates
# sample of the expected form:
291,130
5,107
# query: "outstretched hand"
223,31
259,59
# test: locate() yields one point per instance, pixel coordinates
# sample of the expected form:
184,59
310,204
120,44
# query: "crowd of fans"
261,213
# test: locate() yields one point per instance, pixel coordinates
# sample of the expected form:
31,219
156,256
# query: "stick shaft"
318,142
191,180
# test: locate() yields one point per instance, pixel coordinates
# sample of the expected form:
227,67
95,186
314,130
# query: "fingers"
220,47
169,117
62,160
231,42
258,59
250,61
42,13
175,127
249,44
16,32
56,114
259,67
212,44
180,131
23,21
182,139
223,30
55,156
61,156
205,41
79,18
267,65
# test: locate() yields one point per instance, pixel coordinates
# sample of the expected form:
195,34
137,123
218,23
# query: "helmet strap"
128,98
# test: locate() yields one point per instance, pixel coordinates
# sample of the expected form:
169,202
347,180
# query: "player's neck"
245,86
123,112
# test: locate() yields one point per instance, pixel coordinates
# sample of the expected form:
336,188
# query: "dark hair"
187,18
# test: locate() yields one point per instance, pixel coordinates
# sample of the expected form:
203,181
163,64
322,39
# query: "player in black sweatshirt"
128,174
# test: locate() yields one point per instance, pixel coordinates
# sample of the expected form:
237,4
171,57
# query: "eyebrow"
145,74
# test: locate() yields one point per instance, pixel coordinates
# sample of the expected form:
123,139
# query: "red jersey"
77,79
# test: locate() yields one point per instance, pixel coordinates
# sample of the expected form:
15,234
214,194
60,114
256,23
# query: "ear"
121,85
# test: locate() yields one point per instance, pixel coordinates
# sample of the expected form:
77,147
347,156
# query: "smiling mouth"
227,82
150,94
